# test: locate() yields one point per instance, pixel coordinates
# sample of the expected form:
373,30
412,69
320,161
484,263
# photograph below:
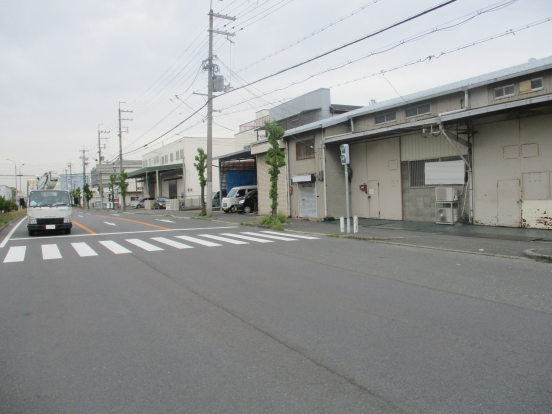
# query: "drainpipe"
470,178
325,177
352,126
287,180
157,179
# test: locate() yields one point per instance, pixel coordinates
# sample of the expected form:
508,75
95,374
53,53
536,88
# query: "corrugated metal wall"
415,147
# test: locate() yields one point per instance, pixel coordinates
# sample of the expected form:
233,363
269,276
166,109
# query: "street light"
20,186
15,173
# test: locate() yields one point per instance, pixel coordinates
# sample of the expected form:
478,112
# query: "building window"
418,110
181,154
171,157
416,171
177,155
504,91
391,116
530,85
304,149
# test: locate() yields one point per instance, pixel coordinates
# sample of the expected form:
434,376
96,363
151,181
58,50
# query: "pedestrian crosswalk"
154,244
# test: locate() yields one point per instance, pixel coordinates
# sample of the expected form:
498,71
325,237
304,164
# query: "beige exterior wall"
512,166
416,147
263,187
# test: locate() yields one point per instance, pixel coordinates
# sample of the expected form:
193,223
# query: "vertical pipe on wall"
287,180
324,177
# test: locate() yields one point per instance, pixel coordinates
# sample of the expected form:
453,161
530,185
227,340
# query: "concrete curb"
530,253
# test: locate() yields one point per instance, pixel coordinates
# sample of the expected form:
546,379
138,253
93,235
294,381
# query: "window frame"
504,90
417,108
308,152
385,121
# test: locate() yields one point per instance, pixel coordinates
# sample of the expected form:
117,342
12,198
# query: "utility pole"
66,181
100,161
210,69
71,174
84,159
121,200
20,186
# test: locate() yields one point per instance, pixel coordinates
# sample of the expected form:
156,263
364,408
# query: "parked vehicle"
49,208
140,203
160,202
249,203
235,193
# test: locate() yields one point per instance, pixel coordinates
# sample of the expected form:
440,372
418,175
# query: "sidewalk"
482,240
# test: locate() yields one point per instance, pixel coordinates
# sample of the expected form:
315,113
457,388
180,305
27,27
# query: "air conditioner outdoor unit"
447,215
446,194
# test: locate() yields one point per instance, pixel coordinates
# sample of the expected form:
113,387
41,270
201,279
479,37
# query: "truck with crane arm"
49,207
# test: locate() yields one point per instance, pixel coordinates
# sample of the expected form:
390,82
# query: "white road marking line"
166,221
59,236
223,239
111,224
198,241
83,249
114,247
50,252
269,236
7,238
81,216
15,254
292,235
255,239
172,243
144,245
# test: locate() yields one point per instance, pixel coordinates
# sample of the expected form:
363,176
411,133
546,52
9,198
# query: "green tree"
78,194
201,158
275,158
112,183
87,193
123,185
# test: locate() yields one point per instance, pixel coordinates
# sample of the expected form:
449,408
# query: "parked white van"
234,195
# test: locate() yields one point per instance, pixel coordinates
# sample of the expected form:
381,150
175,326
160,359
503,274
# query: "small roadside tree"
87,193
275,160
201,158
78,194
123,185
112,183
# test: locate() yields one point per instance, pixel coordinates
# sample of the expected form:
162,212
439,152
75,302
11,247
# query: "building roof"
142,171
532,66
343,108
246,152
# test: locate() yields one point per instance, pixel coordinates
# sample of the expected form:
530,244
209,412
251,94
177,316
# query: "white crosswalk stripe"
270,236
15,254
291,235
198,241
114,247
241,236
50,252
172,243
83,249
144,245
223,239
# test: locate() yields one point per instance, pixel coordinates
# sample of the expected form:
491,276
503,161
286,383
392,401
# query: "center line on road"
50,251
84,228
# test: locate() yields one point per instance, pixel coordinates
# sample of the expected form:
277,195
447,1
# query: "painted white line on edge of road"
114,247
50,252
15,254
83,249
144,245
11,232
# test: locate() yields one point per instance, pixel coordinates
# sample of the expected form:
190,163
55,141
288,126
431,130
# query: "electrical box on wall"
363,187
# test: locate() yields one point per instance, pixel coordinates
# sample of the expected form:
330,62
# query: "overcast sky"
65,65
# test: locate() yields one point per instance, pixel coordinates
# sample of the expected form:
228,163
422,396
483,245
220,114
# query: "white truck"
49,207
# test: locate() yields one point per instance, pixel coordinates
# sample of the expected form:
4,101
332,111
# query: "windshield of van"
49,198
232,192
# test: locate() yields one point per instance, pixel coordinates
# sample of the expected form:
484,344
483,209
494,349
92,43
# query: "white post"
347,198
355,224
342,224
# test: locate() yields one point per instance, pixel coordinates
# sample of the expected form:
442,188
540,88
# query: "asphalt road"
132,314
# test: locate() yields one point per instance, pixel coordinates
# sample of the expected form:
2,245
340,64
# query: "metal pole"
100,161
120,153
347,197
20,186
209,207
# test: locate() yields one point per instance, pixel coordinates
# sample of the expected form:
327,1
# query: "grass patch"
274,222
203,213
333,235
5,218
245,223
